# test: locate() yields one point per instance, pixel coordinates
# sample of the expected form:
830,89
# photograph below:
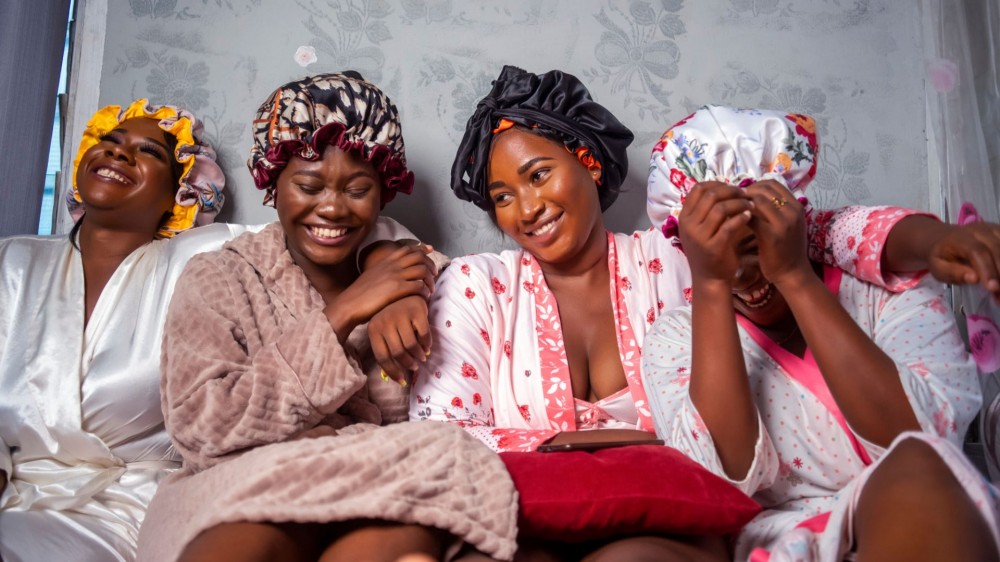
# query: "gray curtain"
32,37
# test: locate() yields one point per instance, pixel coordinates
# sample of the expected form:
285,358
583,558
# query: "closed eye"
310,189
359,192
150,148
112,137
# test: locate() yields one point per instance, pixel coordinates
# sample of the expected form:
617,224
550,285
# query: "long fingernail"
403,383
385,375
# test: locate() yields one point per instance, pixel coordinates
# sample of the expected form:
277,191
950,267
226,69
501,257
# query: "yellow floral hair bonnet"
200,193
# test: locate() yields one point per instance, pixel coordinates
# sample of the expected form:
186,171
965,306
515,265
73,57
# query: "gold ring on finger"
779,202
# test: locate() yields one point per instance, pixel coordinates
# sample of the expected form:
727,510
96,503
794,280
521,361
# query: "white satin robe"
81,430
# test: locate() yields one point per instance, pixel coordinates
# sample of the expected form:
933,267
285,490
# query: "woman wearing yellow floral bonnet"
198,179
82,444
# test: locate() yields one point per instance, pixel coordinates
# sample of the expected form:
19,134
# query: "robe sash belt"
51,484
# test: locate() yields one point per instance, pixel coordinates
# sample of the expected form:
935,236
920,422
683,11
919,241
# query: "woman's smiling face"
129,175
543,197
754,296
327,207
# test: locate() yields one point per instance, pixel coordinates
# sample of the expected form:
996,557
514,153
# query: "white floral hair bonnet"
735,146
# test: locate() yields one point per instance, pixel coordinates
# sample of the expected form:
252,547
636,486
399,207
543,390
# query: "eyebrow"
121,131
522,169
317,175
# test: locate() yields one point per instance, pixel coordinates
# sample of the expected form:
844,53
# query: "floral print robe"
809,467
498,365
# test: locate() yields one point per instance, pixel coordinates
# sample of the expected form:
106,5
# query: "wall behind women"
853,64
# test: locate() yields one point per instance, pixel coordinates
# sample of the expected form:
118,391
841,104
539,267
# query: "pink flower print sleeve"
463,380
853,239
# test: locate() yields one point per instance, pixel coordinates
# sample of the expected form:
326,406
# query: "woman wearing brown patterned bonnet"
281,414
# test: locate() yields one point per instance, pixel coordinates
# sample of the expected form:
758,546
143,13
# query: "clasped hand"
968,254
394,273
399,331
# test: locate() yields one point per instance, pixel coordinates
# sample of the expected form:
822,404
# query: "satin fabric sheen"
82,433
559,103
81,430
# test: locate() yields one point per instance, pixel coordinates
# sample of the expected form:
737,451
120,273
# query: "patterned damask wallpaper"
853,64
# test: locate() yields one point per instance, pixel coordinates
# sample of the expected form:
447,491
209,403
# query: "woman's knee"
913,508
252,542
913,464
378,541
663,549
914,451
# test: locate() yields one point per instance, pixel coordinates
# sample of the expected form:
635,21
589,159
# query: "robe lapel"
804,370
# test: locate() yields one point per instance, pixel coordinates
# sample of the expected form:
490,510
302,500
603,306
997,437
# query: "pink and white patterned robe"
809,468
498,365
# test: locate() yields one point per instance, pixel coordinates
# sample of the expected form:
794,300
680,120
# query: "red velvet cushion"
580,496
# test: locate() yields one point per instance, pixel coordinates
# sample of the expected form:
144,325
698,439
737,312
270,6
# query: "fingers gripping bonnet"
559,105
734,146
303,117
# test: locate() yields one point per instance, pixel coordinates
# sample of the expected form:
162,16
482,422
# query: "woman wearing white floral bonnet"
840,406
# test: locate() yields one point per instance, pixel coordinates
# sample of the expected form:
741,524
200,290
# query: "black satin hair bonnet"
555,102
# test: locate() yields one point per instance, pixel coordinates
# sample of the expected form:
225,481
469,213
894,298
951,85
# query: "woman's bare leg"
663,549
377,541
416,558
652,548
527,551
257,542
913,509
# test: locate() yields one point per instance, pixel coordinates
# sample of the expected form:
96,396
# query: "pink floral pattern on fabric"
857,236
500,354
737,146
518,439
984,335
559,401
496,314
552,354
806,461
984,339
967,214
631,354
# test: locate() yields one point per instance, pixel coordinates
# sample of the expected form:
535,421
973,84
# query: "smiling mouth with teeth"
758,297
545,229
111,174
327,232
